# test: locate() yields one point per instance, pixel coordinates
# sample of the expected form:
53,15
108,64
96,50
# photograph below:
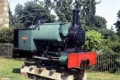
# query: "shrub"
93,41
115,46
6,35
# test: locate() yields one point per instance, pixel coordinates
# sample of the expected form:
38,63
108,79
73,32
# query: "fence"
6,49
105,62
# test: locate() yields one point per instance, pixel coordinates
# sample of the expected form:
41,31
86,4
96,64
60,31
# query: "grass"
102,76
9,68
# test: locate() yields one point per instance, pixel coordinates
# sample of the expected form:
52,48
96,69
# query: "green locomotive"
53,43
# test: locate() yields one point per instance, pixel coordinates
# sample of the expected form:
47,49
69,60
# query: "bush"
18,25
110,57
6,35
113,37
93,41
115,46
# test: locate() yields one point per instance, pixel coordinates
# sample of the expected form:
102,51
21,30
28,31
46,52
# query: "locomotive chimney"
75,16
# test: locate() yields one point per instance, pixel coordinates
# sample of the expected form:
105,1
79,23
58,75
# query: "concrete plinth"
45,73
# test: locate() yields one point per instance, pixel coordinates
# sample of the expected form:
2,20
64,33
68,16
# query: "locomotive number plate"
24,38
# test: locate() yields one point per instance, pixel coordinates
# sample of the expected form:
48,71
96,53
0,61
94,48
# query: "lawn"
102,76
9,68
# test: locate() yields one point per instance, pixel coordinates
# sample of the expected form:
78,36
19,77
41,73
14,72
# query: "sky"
107,9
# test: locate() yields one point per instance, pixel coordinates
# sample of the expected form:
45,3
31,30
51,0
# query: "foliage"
6,35
115,46
113,37
93,41
109,55
63,10
19,26
18,14
117,24
100,22
18,10
10,17
30,11
88,12
87,8
106,32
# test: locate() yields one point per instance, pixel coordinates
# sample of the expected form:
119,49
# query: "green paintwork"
46,31
51,31
64,29
27,44
63,57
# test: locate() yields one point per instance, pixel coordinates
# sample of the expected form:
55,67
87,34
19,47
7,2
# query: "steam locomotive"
53,44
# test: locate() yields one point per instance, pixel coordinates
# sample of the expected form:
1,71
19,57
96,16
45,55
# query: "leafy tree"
118,27
100,22
17,16
32,10
11,20
19,10
105,32
63,10
48,4
115,46
118,23
89,10
87,18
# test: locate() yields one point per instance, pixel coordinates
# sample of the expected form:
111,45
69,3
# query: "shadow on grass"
16,70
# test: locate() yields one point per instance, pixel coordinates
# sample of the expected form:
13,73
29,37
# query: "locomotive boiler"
53,44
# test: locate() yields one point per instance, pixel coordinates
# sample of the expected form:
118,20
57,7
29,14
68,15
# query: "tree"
18,13
63,10
11,19
18,10
89,10
117,24
48,4
100,22
87,18
32,10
